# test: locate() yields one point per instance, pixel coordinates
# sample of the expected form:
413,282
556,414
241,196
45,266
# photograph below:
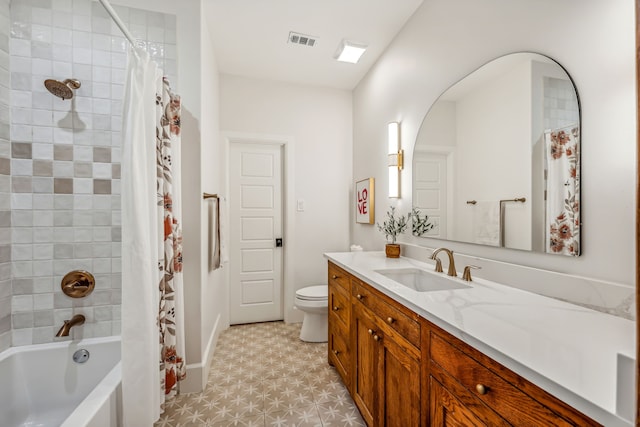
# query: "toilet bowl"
313,301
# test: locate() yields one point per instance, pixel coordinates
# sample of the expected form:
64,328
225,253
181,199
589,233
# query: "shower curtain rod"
118,21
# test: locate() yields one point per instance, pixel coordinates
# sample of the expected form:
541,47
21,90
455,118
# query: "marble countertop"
572,352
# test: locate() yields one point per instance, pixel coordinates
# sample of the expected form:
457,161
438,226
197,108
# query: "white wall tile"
21,167
42,100
20,47
42,151
42,201
82,55
41,67
62,36
62,69
41,33
42,117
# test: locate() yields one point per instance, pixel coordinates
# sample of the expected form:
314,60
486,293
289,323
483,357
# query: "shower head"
62,89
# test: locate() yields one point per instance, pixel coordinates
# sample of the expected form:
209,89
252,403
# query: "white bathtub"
43,387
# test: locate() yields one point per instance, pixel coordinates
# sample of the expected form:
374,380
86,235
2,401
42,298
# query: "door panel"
430,190
255,205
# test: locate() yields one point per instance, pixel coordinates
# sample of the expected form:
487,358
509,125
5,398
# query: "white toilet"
313,300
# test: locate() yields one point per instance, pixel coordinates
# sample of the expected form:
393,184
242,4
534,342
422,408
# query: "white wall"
444,41
213,303
319,122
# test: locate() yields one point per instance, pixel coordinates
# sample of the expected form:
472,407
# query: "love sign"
365,201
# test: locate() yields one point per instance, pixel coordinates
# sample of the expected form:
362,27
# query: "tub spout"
76,320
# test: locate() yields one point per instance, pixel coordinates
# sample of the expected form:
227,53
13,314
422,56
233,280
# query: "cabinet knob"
376,338
336,352
334,277
336,308
390,320
359,296
481,389
370,331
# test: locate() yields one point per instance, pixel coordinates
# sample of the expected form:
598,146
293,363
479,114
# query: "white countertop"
567,350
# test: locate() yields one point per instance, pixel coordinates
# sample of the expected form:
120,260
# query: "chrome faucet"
76,320
452,264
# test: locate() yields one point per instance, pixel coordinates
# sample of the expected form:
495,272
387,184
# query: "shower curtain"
563,191
152,298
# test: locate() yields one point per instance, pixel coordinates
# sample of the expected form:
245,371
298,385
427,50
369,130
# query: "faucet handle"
466,275
438,265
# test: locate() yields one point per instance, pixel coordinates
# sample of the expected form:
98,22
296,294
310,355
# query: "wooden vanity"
403,370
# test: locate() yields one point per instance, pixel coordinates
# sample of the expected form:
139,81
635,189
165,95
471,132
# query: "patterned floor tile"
302,416
263,375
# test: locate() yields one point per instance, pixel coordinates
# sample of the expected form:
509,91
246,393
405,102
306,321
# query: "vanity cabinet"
386,359
402,370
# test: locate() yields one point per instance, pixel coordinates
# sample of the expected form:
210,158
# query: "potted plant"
391,227
395,225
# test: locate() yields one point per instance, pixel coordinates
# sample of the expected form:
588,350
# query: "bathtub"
43,387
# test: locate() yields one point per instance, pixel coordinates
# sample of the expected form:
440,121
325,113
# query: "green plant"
420,224
393,225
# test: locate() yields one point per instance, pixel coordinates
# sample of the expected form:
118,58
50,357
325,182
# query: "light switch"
300,205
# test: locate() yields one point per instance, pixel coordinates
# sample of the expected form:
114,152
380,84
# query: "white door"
255,206
430,190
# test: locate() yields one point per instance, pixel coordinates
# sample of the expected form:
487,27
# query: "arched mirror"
497,158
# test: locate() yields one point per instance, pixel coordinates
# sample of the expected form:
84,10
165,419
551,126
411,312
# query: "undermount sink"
420,280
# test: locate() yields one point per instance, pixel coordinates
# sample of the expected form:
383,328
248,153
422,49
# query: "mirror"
497,158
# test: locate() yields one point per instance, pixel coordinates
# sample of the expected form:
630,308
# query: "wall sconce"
396,159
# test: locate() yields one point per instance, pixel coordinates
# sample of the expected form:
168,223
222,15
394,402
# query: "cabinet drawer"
515,406
406,327
339,277
339,304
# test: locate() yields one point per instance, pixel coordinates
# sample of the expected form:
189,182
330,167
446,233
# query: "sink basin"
420,280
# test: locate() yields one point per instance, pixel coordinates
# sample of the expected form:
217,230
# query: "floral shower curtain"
152,299
563,191
170,306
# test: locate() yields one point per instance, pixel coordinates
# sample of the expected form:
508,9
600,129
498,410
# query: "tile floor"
263,375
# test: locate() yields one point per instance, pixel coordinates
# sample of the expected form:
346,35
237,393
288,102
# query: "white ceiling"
250,37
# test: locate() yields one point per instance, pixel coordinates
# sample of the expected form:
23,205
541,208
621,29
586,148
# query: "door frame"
288,223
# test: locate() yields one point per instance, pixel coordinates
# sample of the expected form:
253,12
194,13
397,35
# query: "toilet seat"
313,293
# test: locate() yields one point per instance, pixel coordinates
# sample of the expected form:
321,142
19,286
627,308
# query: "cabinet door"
339,352
399,385
448,411
365,353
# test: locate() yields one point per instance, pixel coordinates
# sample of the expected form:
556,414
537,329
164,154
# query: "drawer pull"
376,338
390,320
336,352
481,389
359,296
334,277
336,308
370,331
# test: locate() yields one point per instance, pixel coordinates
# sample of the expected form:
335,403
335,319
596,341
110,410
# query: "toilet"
313,300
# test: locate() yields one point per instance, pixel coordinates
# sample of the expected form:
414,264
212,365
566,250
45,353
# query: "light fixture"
350,51
396,159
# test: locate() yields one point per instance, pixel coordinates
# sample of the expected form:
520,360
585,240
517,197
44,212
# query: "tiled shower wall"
560,103
65,159
5,179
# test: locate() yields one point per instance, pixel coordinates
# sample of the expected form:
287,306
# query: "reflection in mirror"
496,161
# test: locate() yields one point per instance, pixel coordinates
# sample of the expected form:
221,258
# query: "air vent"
303,39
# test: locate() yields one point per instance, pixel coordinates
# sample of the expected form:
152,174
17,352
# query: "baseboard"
197,373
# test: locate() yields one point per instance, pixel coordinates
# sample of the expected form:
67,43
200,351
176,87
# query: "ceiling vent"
303,39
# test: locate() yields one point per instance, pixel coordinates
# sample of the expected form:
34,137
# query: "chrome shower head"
62,89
